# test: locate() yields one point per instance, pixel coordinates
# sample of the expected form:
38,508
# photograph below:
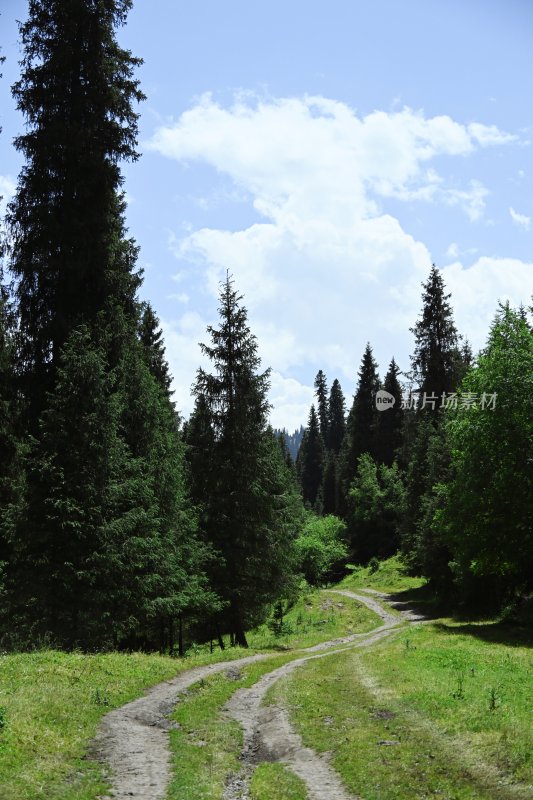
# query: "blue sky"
326,154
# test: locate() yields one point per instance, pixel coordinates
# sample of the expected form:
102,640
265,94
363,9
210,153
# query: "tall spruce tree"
104,550
330,484
70,256
310,462
390,421
10,446
151,337
248,509
336,417
434,362
436,368
361,436
321,391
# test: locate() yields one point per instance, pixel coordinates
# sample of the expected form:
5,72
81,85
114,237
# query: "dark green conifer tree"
330,484
390,421
435,371
336,417
361,433
434,362
249,507
310,463
104,549
151,337
10,445
70,256
321,391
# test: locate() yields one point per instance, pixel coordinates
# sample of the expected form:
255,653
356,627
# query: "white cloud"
487,135
521,220
267,147
324,269
181,297
291,401
471,200
453,250
477,289
184,355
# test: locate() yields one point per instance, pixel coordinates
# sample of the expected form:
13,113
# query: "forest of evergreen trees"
120,527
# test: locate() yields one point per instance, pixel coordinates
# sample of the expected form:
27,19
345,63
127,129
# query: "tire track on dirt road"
133,740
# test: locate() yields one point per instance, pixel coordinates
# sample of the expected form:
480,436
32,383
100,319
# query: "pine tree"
310,463
330,484
105,550
434,362
10,446
390,421
70,256
321,390
249,507
151,337
336,417
362,420
436,367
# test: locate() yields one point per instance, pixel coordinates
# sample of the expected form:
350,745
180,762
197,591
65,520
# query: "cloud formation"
325,266
521,220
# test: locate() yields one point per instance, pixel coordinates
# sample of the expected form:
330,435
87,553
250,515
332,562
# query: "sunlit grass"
434,711
276,782
390,576
316,617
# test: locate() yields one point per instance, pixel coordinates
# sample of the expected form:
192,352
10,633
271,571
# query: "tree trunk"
219,637
239,636
170,635
181,651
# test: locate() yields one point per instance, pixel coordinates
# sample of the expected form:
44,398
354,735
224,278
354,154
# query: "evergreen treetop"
434,362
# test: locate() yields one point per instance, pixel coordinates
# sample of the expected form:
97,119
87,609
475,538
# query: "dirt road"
133,740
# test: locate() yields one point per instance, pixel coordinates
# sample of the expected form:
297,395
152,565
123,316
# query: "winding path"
133,740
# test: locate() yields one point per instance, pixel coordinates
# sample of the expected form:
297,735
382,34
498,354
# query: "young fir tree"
310,463
321,391
390,421
361,426
249,500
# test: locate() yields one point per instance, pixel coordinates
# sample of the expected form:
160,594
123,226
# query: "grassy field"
316,617
440,710
50,706
390,576
274,782
51,702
